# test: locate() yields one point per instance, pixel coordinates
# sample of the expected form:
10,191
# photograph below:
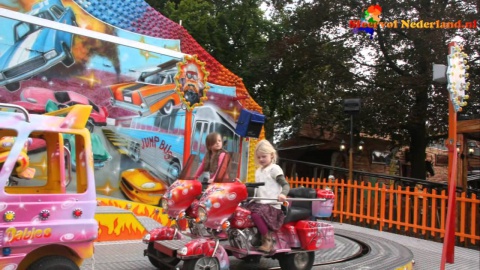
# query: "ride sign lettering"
151,142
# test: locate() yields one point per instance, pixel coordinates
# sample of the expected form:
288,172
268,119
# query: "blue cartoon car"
37,48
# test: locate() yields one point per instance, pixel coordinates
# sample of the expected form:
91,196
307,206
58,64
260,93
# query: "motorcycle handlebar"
254,184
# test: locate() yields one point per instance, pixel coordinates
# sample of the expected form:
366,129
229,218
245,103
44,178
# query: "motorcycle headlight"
164,204
201,214
146,238
50,54
183,251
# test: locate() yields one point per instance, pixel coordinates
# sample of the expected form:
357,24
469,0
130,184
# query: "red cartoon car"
153,91
35,99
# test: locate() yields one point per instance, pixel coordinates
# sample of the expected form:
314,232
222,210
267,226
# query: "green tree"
392,73
303,60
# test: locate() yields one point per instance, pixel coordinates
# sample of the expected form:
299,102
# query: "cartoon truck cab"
46,210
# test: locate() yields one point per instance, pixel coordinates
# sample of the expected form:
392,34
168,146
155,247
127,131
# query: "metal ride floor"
388,251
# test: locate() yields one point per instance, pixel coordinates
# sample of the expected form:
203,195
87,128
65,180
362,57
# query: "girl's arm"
283,182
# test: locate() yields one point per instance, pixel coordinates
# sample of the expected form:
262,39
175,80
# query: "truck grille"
25,67
126,184
152,99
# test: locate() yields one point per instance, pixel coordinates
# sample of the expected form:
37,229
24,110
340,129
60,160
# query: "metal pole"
448,251
350,159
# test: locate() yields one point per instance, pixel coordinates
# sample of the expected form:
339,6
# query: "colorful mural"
141,100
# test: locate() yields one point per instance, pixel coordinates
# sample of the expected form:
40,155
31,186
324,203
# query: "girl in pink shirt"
214,156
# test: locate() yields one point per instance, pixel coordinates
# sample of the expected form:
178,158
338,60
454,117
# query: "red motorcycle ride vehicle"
175,202
218,210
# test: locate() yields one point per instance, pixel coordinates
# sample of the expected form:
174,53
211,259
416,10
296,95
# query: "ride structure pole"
187,142
350,151
449,240
457,86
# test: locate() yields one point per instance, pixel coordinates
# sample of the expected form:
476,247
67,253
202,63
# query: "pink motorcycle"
220,211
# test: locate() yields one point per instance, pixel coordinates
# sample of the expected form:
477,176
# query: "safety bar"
16,107
288,199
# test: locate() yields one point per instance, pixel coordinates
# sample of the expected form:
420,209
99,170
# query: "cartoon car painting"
100,154
154,91
139,185
35,100
37,48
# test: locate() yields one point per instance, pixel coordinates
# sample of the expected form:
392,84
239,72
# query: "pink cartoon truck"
46,211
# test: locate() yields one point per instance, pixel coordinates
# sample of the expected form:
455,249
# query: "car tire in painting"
53,263
12,87
135,151
168,108
68,60
90,125
173,172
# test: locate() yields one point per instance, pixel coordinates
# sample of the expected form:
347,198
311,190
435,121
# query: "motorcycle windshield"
228,169
189,171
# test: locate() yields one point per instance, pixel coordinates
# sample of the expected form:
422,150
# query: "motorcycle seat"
299,210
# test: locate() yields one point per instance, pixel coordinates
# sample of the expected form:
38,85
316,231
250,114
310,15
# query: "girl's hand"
282,198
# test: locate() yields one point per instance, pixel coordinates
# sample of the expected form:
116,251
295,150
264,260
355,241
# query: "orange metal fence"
414,212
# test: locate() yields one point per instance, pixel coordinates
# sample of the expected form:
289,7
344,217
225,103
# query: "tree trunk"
418,132
417,152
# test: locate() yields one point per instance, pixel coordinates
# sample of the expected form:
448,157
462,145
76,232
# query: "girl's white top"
271,189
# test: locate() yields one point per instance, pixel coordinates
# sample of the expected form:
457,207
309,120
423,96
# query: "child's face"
264,159
217,145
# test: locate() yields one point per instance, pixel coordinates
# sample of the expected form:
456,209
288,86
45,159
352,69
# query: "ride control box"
249,123
315,235
323,208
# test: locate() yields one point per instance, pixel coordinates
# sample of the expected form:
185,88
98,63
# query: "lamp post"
471,148
351,106
350,151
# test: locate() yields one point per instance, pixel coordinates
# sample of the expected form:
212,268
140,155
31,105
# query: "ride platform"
355,248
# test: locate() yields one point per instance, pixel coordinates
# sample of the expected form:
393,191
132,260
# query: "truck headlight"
201,214
7,144
148,185
50,54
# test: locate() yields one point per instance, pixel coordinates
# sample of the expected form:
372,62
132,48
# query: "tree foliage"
302,60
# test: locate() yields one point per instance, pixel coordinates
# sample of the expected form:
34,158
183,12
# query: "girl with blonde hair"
267,214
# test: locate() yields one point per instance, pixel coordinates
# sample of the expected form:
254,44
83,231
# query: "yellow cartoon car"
139,185
22,168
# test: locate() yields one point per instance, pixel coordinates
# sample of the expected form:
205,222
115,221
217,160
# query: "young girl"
266,214
213,157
